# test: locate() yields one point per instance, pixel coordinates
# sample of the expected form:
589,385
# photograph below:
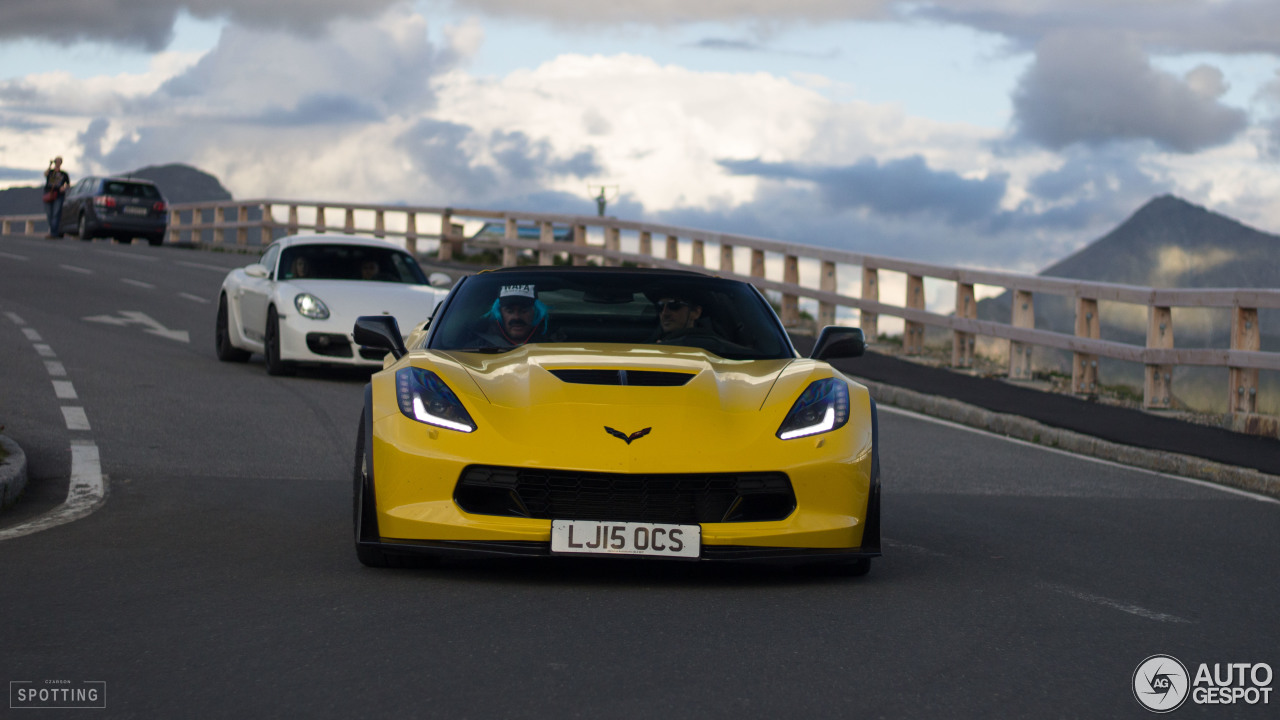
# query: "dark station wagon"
118,208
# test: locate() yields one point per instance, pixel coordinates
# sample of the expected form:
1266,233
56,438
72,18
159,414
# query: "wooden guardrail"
1244,358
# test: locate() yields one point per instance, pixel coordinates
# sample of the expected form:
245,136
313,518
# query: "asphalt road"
218,579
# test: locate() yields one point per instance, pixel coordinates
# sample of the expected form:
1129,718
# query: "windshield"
495,312
349,262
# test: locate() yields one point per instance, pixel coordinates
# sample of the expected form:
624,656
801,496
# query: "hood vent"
645,378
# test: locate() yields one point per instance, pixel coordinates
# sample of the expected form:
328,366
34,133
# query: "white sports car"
300,301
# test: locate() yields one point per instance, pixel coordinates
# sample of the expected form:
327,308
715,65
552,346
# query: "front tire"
275,365
222,336
364,515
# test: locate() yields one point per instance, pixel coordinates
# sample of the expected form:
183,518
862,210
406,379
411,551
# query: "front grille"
673,498
645,378
331,344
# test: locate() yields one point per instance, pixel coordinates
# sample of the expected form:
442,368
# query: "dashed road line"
202,266
1113,604
193,298
11,256
64,390
87,487
73,268
138,283
131,256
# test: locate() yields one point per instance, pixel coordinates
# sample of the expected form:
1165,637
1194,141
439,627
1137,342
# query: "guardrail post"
175,226
673,247
1245,335
31,227
219,226
698,259
579,241
510,253
411,233
1024,316
546,234
726,258
962,342
1084,367
790,301
913,332
320,228
1158,385
757,264
293,220
446,242
646,243
5,226
827,283
612,241
869,321
242,232
380,223
349,222
268,225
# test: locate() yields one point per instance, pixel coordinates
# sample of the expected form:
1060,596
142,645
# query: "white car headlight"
311,306
822,407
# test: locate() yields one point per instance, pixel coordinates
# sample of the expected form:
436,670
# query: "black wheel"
275,366
222,336
364,516
83,229
156,240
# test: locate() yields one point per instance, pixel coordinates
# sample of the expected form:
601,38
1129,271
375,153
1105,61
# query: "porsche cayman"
612,412
299,302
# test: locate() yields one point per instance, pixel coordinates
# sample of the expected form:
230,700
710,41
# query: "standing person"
56,183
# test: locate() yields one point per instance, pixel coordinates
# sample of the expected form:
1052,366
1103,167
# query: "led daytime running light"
424,397
821,408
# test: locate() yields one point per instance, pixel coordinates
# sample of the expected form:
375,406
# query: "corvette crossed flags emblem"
625,437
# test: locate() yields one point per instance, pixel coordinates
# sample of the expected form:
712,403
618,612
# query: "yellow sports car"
613,412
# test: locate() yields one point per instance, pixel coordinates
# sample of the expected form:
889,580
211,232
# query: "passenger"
300,268
517,317
369,269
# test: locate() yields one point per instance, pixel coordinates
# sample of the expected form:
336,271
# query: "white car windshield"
349,262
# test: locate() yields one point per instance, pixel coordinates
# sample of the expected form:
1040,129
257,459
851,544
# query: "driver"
516,317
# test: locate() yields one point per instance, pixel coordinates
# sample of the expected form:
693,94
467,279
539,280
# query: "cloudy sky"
992,133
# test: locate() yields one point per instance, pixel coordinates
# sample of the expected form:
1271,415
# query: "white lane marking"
73,268
85,493
138,283
133,317
64,390
32,334
131,256
914,549
17,319
11,256
195,298
43,350
55,368
75,418
1090,458
1113,604
202,266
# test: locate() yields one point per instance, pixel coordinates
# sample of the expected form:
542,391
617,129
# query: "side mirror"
381,332
439,279
838,342
257,271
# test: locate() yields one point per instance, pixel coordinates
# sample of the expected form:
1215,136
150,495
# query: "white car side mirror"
257,271
439,279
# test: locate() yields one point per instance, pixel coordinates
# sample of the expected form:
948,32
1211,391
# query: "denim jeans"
53,213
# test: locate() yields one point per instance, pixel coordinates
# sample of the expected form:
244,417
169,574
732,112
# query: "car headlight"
424,397
822,407
311,306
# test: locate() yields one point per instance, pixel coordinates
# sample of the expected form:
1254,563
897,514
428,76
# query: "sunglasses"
672,305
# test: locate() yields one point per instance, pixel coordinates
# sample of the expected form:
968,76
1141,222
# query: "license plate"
594,537
134,210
